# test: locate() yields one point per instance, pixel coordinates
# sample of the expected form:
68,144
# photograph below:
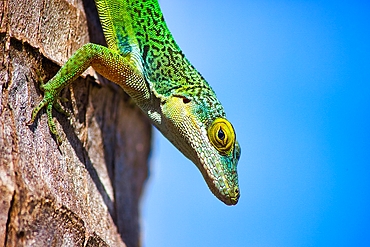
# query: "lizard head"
201,132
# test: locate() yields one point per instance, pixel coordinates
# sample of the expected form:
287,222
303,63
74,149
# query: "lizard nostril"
185,100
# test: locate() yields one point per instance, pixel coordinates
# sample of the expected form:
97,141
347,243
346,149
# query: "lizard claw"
48,101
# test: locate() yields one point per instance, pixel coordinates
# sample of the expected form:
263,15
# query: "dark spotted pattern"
165,66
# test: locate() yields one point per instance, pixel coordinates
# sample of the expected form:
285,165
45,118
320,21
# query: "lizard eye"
221,135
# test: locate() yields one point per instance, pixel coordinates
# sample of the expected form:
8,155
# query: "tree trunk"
85,192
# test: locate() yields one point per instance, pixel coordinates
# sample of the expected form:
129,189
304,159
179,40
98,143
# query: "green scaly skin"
143,58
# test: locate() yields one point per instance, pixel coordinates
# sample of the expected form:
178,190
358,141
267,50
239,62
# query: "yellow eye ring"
221,135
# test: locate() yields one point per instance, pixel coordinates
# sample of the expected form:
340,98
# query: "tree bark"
85,192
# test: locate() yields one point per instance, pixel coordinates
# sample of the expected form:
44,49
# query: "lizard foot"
49,101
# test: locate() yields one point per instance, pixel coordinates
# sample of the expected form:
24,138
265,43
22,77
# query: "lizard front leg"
106,62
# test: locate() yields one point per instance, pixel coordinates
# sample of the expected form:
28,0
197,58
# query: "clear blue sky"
294,78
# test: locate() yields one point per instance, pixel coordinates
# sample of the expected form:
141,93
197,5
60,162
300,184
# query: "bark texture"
86,192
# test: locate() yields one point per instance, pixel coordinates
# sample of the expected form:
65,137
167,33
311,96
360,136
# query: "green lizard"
144,59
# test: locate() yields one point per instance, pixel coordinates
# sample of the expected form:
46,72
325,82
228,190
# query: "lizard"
143,58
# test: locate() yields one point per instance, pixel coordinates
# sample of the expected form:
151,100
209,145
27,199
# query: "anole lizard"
144,59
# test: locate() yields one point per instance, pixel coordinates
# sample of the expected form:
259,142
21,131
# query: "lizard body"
144,59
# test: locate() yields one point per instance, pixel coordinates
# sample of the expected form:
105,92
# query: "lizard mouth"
229,196
232,200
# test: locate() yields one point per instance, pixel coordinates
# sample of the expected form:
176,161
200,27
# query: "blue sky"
294,78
